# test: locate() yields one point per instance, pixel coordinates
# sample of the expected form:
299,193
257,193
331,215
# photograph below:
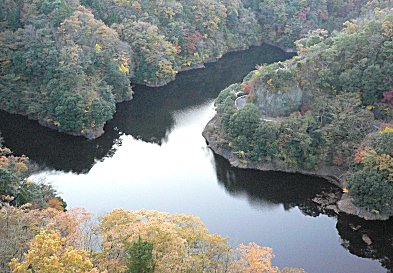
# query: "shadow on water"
262,188
367,239
149,116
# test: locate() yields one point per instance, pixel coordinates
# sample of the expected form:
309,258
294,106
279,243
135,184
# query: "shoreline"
329,173
99,131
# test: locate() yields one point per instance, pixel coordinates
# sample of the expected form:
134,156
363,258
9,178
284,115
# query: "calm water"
153,156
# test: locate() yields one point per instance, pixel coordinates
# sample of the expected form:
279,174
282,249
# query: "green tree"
298,142
155,56
139,256
265,141
346,125
371,189
244,121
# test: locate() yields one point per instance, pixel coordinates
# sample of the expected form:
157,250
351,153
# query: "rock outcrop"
279,103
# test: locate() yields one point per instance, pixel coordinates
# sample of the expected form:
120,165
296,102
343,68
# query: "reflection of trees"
290,190
293,190
148,116
355,232
52,149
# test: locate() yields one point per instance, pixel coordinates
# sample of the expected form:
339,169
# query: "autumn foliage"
129,241
48,254
370,178
17,190
67,62
255,258
388,97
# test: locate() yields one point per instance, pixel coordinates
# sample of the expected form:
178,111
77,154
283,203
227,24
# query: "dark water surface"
153,156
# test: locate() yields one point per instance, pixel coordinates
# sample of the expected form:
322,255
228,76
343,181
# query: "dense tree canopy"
371,174
142,241
67,62
338,88
47,254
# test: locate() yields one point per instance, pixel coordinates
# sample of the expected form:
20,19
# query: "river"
153,156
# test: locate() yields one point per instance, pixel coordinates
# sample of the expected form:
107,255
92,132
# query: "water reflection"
262,188
54,150
149,116
367,239
153,146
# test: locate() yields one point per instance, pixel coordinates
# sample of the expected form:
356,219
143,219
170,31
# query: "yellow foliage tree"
181,243
18,226
48,254
256,259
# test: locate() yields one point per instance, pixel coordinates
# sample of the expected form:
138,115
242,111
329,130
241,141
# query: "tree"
60,63
139,256
155,55
55,241
370,179
244,121
256,259
347,124
19,226
180,243
265,145
47,254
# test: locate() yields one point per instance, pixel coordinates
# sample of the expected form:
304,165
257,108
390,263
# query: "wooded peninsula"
326,112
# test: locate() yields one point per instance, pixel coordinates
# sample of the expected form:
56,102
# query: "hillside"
327,112
66,63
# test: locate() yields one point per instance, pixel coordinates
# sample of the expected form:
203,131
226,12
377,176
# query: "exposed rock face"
279,103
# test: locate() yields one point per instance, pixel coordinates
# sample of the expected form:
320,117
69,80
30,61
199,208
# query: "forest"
66,63
328,107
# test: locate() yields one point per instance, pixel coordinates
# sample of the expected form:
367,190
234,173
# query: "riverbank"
98,131
332,174
215,59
